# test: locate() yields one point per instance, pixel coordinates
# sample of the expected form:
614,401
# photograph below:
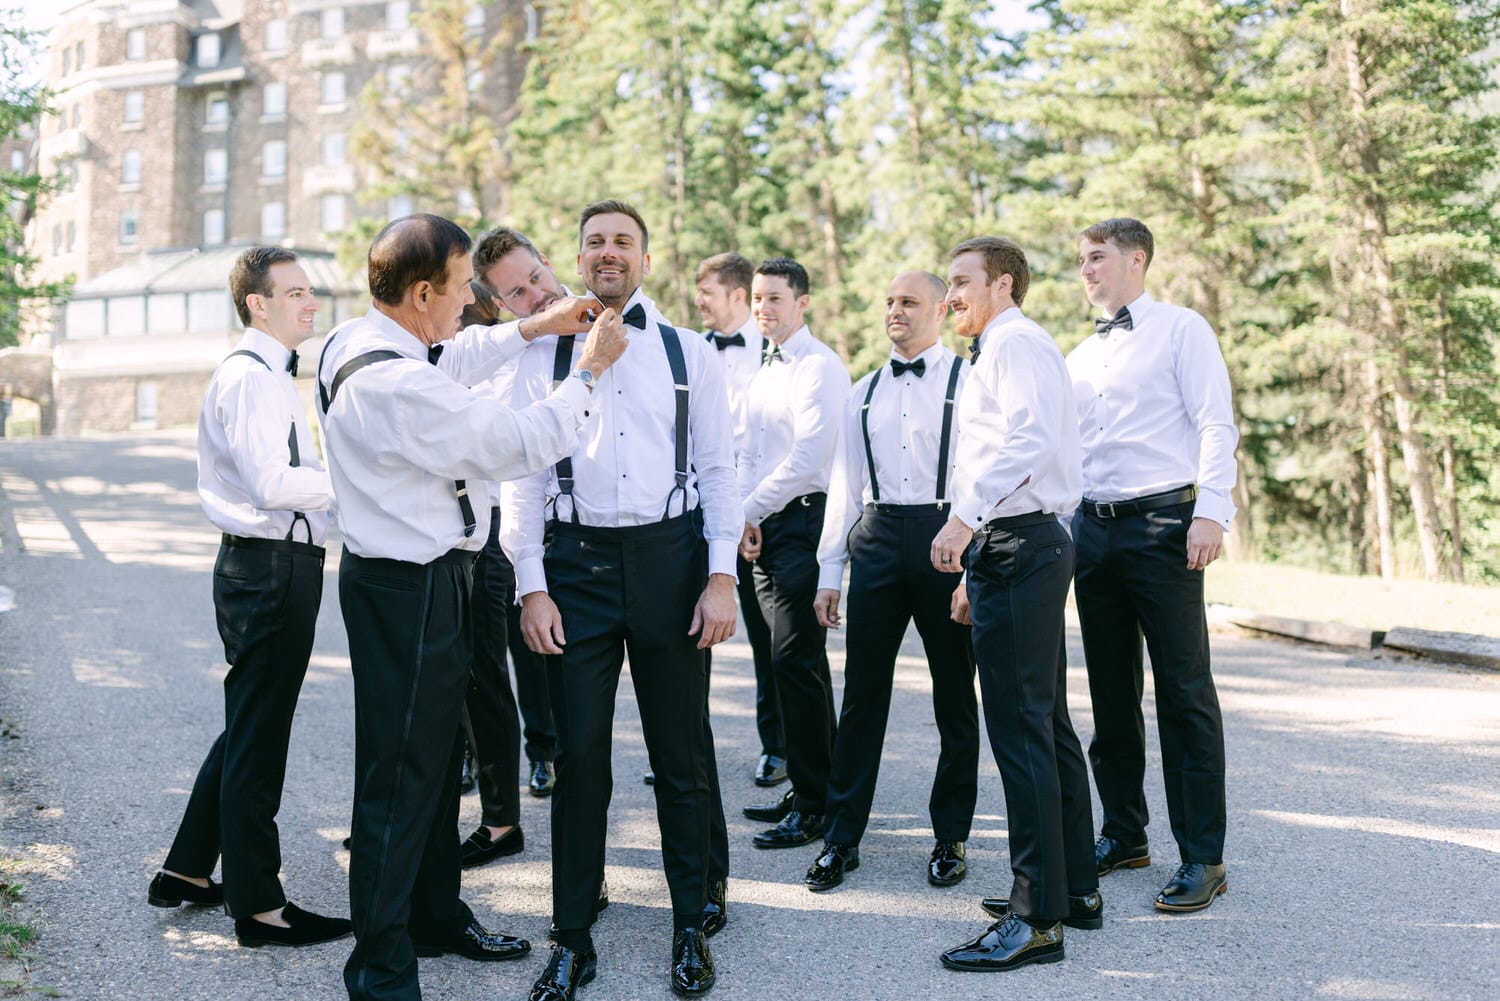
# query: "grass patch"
17,934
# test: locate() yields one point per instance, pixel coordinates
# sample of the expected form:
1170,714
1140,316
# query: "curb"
1449,648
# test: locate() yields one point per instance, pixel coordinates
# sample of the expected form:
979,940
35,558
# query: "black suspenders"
562,365
943,443
460,487
291,446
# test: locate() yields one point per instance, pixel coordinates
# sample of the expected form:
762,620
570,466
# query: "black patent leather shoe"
167,890
1085,911
692,967
304,928
1110,855
771,813
795,829
477,942
716,910
543,778
1192,888
827,870
1007,944
771,771
567,970
947,867
649,778
481,848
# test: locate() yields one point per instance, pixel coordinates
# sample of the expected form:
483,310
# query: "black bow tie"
1122,319
434,352
721,342
917,368
635,317
291,364
770,352
974,351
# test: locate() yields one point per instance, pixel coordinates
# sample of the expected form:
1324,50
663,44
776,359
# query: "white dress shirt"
401,431
625,463
740,365
245,477
1154,410
906,433
793,414
1018,451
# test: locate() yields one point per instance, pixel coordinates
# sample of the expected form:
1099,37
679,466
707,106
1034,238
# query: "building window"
78,57
215,166
127,229
272,220
332,213
217,113
57,243
276,35
331,24
135,44
77,115
130,167
273,159
400,206
331,89
273,100
67,61
333,149
398,15
207,50
72,235
397,78
213,227
533,22
17,161
135,107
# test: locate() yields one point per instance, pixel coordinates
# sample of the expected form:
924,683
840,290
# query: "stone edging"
1450,648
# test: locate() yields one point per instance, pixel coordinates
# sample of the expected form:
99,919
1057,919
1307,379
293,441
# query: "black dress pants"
786,580
767,702
266,597
490,715
892,581
410,646
1018,574
1132,580
632,590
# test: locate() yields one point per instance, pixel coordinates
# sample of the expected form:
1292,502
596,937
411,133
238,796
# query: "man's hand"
750,543
541,624
958,609
713,616
826,607
606,343
567,315
1205,542
949,544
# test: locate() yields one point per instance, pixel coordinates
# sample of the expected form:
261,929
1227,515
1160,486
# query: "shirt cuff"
831,576
531,576
1215,507
969,512
577,395
754,513
722,558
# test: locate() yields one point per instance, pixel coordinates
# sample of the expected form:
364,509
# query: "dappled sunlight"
1365,989
87,672
1484,839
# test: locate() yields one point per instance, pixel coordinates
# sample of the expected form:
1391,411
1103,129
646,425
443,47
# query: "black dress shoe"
477,942
348,843
795,829
466,783
543,778
1007,944
716,911
1085,911
304,929
168,891
567,970
692,966
770,813
481,848
649,778
1110,855
771,771
947,867
1192,888
827,870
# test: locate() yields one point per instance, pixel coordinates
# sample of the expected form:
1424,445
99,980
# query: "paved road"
1364,857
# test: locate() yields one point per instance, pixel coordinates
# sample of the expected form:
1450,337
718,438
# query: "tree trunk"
1377,456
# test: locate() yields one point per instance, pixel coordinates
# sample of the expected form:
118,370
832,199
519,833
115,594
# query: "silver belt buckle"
806,500
1105,509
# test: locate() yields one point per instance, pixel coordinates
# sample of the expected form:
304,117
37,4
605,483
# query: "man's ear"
646,266
419,295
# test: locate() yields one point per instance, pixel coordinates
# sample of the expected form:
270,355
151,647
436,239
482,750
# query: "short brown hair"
251,275
730,270
1126,233
496,245
1001,257
611,206
483,311
413,249
785,268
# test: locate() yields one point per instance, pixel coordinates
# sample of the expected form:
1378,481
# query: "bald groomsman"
1158,468
890,494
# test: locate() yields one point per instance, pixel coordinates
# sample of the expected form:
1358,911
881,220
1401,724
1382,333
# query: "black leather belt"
1140,505
1011,522
909,510
275,545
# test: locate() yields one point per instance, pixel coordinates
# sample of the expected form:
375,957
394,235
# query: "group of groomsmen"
647,474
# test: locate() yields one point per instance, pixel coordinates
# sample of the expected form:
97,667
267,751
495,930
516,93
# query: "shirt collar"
400,339
931,356
797,344
1001,319
749,331
273,351
1140,306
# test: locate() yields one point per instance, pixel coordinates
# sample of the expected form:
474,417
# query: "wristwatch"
586,377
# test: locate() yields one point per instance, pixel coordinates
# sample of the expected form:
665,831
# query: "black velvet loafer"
168,891
481,848
303,928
